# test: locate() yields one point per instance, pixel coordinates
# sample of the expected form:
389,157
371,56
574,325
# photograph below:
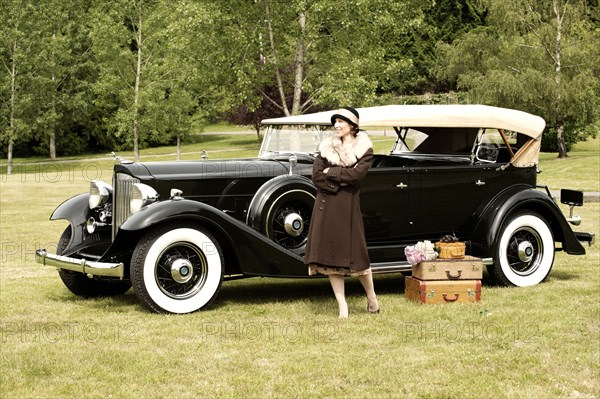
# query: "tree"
123,43
160,68
63,76
18,48
539,56
323,52
444,21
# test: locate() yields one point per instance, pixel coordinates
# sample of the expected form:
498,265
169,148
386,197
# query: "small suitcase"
462,291
467,268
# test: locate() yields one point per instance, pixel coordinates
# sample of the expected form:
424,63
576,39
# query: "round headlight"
141,195
99,193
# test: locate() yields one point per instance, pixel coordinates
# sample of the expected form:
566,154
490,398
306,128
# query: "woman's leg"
367,282
337,283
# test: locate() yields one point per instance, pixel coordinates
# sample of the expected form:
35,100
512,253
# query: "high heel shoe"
376,311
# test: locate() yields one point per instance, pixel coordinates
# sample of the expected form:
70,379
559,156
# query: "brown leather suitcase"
467,268
442,291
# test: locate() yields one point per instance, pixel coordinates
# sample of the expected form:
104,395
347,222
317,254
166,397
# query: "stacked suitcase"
456,279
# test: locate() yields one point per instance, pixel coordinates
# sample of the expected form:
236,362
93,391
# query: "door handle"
401,186
480,183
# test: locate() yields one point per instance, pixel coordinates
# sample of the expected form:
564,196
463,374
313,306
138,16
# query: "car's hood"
204,169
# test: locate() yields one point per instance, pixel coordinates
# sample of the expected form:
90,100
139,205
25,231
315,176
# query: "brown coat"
336,235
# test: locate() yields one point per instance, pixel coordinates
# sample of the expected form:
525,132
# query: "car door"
449,195
386,195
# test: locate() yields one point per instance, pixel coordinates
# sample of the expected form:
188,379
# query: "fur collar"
345,154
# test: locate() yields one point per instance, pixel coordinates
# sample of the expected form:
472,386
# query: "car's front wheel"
177,269
524,251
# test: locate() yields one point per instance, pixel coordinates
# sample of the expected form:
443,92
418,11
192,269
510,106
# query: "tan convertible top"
431,116
475,116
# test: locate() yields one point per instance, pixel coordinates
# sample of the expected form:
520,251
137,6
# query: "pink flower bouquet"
423,250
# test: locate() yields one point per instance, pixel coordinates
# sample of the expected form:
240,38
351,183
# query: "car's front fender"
491,218
76,211
256,253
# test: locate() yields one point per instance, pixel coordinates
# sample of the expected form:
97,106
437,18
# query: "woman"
336,243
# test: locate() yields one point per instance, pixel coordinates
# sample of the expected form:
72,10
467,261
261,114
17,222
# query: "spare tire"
282,208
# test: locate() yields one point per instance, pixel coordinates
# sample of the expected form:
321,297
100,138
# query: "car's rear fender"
246,250
516,198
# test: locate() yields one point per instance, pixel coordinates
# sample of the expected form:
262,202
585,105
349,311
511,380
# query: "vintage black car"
176,230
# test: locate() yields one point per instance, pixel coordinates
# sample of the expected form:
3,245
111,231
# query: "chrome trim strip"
84,266
390,267
393,267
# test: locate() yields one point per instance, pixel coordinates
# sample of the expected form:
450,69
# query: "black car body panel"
250,252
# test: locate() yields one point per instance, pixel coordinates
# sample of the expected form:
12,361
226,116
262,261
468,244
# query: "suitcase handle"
450,300
451,277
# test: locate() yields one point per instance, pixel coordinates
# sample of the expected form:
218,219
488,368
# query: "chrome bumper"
84,266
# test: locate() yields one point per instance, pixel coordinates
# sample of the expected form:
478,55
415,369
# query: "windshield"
486,145
293,139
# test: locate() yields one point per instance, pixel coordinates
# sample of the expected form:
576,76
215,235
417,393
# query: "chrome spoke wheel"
181,271
524,250
177,269
289,224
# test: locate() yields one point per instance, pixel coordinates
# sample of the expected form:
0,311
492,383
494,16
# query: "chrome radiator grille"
122,185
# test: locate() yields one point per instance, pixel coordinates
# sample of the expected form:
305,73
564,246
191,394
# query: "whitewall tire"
177,269
524,251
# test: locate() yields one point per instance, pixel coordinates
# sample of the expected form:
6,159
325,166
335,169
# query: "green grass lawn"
266,338
580,171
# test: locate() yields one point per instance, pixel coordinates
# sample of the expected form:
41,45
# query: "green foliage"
443,22
17,82
536,56
82,75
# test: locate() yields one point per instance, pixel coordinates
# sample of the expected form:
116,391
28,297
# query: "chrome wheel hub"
525,251
293,224
181,270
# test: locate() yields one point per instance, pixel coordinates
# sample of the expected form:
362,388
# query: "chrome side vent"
122,185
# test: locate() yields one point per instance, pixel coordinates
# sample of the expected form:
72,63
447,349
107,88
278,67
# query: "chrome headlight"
141,195
99,193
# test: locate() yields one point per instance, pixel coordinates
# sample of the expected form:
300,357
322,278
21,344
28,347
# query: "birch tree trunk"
560,121
280,87
136,90
299,76
13,95
52,146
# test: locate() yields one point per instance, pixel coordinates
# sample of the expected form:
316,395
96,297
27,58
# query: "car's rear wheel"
80,284
177,269
524,251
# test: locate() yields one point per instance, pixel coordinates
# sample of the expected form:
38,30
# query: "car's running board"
390,267
401,267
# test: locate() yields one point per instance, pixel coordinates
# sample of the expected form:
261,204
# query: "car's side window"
495,146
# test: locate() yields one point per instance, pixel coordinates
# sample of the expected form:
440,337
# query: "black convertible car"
175,230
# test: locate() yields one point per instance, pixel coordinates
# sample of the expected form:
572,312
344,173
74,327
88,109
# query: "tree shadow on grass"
114,303
563,275
265,290
248,291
